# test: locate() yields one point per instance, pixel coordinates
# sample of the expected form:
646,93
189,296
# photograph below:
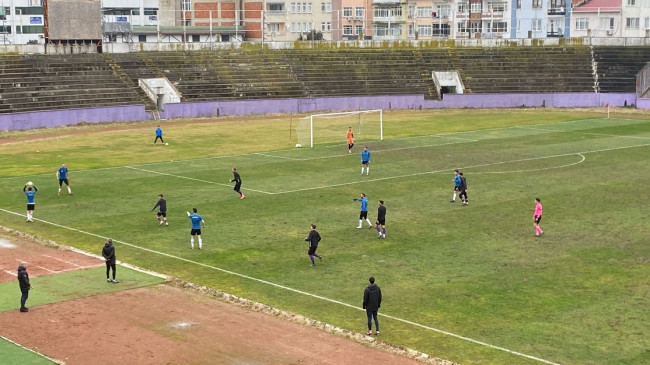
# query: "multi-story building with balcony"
597,18
352,19
635,18
541,19
294,20
21,21
389,19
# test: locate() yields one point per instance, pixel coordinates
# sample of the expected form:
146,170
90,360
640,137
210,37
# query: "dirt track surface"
162,324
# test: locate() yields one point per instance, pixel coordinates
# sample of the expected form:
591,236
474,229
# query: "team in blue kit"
62,176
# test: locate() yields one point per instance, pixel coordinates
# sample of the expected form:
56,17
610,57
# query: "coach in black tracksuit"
371,303
313,238
25,286
109,255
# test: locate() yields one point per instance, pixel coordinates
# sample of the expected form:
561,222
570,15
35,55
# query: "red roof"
595,5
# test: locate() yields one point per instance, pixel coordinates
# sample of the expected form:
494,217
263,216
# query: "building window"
537,4
582,23
411,30
29,29
326,27
347,30
476,7
411,10
462,8
358,12
196,38
632,23
444,11
518,25
647,23
424,11
631,2
498,7
441,29
5,29
537,25
607,23
325,7
276,8
424,30
142,38
150,11
499,27
358,29
186,5
463,27
518,4
29,11
347,11
135,12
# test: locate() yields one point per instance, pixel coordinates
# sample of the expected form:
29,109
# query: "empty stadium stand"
618,66
43,82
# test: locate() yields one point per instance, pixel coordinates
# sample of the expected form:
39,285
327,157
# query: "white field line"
587,133
65,261
275,156
583,158
270,283
32,351
450,169
10,272
447,135
190,178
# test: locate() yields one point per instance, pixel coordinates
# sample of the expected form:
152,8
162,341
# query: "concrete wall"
132,113
56,118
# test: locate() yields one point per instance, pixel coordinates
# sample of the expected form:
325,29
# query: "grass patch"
12,354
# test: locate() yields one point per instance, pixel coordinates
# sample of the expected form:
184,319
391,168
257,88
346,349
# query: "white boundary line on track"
32,351
297,291
10,272
447,135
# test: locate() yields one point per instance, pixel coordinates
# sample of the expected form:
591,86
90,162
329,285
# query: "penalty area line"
293,290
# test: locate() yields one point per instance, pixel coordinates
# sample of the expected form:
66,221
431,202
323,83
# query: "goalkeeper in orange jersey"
350,139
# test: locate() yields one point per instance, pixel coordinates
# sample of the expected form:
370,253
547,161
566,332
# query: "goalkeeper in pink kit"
537,217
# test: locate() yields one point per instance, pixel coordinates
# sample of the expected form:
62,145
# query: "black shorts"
162,214
237,187
538,219
363,215
195,231
61,181
312,250
365,162
30,206
456,188
381,222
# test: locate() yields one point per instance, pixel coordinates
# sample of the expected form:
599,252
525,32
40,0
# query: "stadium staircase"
127,79
617,67
425,71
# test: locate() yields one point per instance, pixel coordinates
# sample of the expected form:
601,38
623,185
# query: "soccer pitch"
465,283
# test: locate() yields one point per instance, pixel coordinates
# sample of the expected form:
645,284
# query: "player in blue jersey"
197,221
159,134
363,214
62,174
365,160
456,185
30,191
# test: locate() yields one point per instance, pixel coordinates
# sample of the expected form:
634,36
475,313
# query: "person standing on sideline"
62,175
161,204
365,160
381,220
363,214
197,221
371,303
456,185
108,252
237,180
463,189
313,238
537,217
350,139
158,135
25,286
30,191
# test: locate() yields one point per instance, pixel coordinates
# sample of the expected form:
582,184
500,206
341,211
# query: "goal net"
367,125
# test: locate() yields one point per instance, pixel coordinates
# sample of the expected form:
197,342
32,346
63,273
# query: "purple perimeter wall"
132,113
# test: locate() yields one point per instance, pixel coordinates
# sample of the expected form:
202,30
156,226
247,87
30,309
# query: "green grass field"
578,295
12,354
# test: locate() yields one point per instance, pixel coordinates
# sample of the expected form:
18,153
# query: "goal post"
328,128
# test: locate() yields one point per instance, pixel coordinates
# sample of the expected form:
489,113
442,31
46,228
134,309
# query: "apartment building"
21,21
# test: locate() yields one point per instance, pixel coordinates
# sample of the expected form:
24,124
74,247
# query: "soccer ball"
298,145
166,144
29,183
